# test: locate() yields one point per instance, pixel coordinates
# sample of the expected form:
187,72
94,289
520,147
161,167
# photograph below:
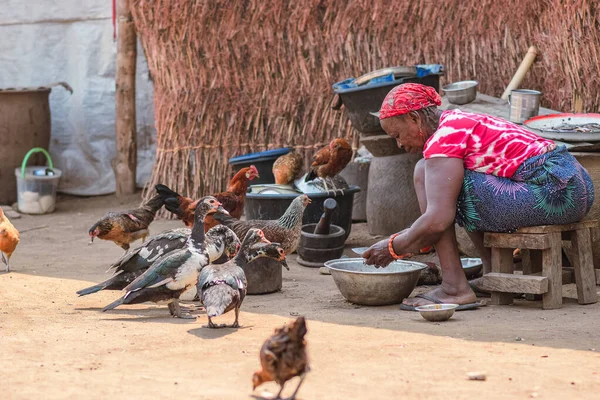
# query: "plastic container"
36,185
273,206
362,100
263,162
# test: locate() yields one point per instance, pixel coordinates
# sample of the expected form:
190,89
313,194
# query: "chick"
283,356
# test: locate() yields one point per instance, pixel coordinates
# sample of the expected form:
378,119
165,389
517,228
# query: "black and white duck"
175,272
221,242
222,288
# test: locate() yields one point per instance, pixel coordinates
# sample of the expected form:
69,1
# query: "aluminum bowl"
437,312
471,266
367,285
462,92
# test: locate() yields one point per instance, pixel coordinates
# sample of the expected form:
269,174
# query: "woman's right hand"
378,255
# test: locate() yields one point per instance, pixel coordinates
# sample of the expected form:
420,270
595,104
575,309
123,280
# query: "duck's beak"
221,210
284,264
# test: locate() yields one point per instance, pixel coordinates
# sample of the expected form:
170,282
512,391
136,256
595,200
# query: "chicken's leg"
278,397
293,396
335,189
175,310
4,258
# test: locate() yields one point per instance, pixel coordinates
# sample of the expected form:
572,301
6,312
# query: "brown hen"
122,228
9,239
330,160
232,200
287,168
285,230
283,356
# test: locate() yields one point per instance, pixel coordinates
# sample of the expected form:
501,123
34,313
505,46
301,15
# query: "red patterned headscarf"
408,97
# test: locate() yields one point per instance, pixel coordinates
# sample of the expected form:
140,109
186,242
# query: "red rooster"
232,200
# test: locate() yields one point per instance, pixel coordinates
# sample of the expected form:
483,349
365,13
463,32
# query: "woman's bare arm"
443,182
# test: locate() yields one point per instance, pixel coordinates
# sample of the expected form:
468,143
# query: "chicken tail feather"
172,200
310,176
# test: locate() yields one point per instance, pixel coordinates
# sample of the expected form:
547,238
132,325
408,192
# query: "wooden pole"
521,71
125,163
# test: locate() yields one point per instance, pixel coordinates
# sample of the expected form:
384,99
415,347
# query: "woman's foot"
463,296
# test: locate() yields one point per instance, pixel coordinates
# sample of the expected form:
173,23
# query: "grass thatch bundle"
233,77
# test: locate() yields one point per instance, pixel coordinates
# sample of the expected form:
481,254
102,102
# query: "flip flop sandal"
478,292
425,296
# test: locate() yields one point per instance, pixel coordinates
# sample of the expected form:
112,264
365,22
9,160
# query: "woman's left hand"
378,255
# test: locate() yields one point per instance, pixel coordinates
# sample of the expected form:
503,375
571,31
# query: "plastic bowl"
437,312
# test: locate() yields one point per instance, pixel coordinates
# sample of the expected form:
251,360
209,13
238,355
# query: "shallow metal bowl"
471,266
272,188
462,92
367,285
437,312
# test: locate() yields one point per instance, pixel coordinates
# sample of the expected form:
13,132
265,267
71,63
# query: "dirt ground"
56,345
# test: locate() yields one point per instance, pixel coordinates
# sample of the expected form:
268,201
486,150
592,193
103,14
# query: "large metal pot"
367,285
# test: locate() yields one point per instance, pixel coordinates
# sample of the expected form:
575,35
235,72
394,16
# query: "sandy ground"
56,345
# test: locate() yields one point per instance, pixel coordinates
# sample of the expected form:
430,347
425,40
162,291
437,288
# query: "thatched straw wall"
233,77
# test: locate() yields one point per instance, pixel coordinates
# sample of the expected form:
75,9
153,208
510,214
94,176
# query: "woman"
484,173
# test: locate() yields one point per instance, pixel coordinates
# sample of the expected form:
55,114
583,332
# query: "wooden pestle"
325,222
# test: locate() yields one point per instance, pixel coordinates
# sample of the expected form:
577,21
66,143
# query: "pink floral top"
486,144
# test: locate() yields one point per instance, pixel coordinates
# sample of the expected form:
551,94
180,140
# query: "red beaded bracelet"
391,248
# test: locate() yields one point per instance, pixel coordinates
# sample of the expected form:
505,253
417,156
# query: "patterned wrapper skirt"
548,189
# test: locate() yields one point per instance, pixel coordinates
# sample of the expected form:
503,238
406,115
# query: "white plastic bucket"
36,186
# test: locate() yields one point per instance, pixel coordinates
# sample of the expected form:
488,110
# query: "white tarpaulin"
45,41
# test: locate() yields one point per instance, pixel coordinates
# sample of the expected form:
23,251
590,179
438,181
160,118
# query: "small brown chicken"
287,168
9,239
283,356
126,227
330,161
232,200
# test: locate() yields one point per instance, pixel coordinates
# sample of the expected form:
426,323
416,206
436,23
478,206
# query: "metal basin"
462,92
366,285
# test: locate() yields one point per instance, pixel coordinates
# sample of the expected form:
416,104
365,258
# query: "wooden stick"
124,165
521,71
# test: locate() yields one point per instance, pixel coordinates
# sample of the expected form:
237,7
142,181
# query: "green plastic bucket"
36,185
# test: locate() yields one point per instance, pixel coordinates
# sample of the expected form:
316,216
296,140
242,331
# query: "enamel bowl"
437,312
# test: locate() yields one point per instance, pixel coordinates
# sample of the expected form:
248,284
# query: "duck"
222,288
175,272
273,251
221,242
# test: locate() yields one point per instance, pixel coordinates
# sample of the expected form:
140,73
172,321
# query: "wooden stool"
545,245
